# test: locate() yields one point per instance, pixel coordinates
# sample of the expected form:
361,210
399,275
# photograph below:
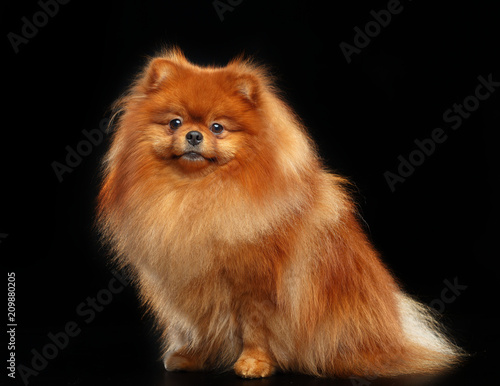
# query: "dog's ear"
251,79
158,71
248,86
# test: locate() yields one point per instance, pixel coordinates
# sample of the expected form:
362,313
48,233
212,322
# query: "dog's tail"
429,350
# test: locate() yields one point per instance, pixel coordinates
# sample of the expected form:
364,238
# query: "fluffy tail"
429,349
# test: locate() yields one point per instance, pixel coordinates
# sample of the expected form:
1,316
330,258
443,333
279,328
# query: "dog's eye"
175,123
216,128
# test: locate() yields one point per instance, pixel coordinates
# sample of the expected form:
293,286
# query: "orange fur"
251,256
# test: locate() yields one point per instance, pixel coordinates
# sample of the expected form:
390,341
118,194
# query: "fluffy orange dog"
248,252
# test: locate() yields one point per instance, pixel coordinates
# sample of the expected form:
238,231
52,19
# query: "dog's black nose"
194,138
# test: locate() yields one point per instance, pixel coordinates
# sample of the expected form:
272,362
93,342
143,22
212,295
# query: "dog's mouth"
194,157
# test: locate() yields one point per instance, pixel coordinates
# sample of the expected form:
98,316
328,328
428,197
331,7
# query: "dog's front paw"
180,362
249,367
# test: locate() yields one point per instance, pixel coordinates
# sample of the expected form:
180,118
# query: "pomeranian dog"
248,252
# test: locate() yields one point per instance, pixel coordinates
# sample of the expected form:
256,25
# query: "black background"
436,226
